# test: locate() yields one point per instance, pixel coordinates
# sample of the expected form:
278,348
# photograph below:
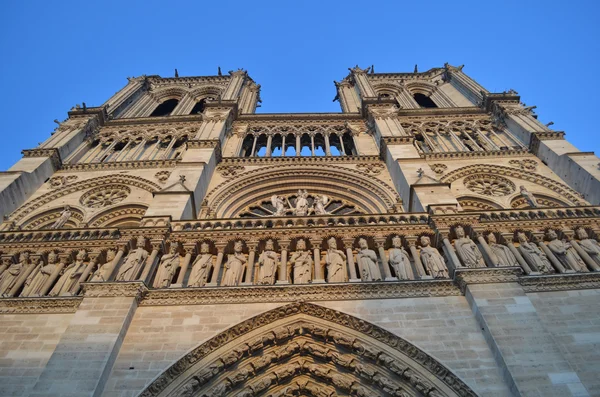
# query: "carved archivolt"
102,181
47,219
305,349
543,201
366,194
557,187
477,204
129,215
103,196
489,185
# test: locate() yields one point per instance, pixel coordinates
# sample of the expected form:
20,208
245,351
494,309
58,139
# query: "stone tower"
432,239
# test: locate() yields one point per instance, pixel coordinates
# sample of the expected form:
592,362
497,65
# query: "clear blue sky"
59,53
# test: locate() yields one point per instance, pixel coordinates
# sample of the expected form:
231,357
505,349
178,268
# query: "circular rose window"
489,185
104,196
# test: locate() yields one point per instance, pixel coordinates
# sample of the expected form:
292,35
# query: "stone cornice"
433,72
136,289
398,140
466,276
155,79
560,282
39,305
189,118
120,165
463,111
203,143
463,155
295,293
298,160
289,118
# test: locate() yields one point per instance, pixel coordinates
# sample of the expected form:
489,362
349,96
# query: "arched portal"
307,350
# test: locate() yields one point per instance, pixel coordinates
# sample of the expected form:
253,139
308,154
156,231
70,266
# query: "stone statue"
201,267
336,263
319,205
70,276
234,266
302,264
36,281
9,276
590,246
367,262
533,255
564,252
399,260
502,252
529,197
432,260
467,250
279,205
134,263
301,203
63,218
267,262
167,268
101,274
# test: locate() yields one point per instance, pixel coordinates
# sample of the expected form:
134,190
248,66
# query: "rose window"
489,186
105,196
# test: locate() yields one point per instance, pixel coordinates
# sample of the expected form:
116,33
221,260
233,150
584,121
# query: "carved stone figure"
336,263
70,276
201,267
564,252
590,246
63,218
267,262
301,203
234,266
279,204
502,252
467,250
134,263
36,281
9,276
399,260
167,268
319,205
529,197
101,274
432,260
533,255
302,263
367,262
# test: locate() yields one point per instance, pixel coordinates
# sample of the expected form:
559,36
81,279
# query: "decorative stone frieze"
39,305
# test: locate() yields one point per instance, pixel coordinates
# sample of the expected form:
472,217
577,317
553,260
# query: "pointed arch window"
165,108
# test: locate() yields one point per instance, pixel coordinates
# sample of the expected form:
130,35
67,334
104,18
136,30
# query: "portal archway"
305,349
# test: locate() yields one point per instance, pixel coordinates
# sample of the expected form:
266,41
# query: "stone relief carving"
533,255
70,276
432,259
104,196
399,260
503,254
102,273
169,264
230,170
590,246
131,268
63,218
489,185
336,263
267,264
467,250
302,263
529,197
529,165
565,253
367,262
439,168
305,204
9,277
201,267
162,176
234,267
61,181
38,278
301,206
370,168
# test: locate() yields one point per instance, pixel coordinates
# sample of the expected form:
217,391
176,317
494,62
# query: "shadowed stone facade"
432,239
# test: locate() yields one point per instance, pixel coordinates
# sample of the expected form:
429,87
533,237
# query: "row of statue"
301,206
61,275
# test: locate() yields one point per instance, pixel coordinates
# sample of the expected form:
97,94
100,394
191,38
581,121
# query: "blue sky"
59,53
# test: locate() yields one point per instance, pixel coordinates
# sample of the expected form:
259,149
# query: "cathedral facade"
431,239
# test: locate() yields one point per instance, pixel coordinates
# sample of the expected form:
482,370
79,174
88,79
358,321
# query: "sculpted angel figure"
563,251
302,263
134,263
505,257
319,205
234,266
201,267
533,255
367,262
10,275
301,203
167,268
279,204
529,197
467,250
267,264
432,260
336,263
70,276
101,274
36,281
398,258
589,245
63,218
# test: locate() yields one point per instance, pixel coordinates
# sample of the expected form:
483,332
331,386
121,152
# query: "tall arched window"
165,108
199,106
424,101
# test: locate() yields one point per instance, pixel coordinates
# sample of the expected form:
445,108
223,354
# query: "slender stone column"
342,145
283,145
584,255
298,145
62,261
86,273
318,276
454,261
189,250
150,266
555,262
27,269
519,257
412,246
384,260
115,262
312,145
250,273
269,143
495,262
282,274
327,145
214,279
253,151
350,256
